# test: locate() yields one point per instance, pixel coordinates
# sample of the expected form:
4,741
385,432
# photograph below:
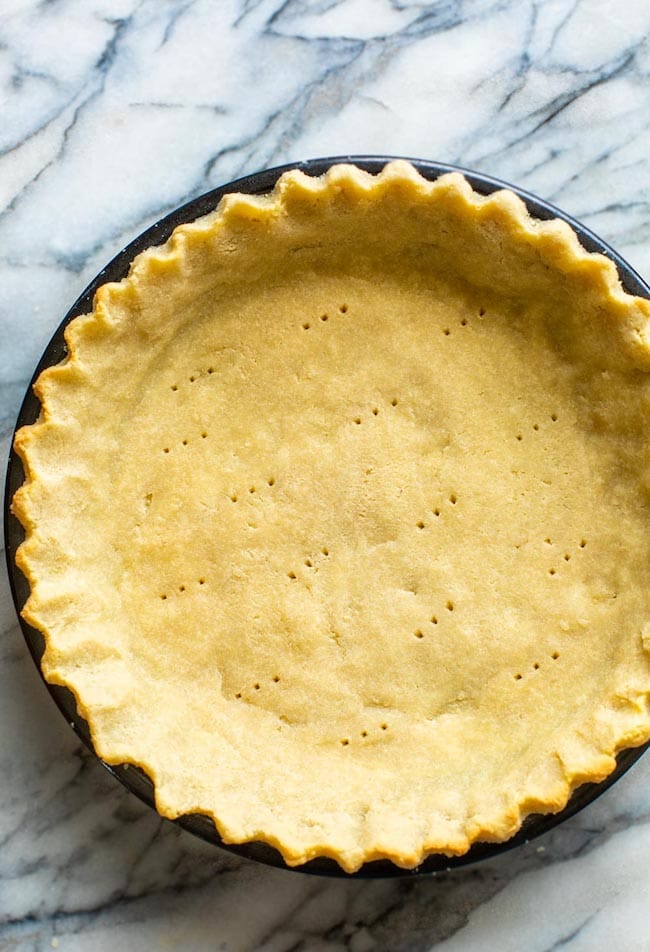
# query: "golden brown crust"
310,489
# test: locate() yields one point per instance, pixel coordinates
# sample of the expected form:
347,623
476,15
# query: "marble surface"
116,111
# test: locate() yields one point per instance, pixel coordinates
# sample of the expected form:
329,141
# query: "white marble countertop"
116,111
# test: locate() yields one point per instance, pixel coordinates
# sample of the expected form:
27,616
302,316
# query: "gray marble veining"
113,112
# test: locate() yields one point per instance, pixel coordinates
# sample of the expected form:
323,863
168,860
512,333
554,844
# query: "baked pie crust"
337,517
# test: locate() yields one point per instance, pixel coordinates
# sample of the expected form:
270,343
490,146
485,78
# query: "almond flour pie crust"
336,517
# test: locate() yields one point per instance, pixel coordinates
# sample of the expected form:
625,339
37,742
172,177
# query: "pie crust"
337,517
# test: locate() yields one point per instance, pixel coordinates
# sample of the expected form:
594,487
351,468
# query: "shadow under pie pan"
132,777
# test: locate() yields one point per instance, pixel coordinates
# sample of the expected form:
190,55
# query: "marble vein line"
78,103
546,114
82,917
570,936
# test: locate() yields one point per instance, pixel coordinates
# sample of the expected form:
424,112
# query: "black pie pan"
131,777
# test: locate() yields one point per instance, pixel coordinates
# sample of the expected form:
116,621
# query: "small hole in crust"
535,426
436,512
384,727
555,655
345,742
450,606
343,309
276,678
256,686
552,572
184,442
420,524
453,499
548,542
324,317
583,543
204,435
418,633
446,332
519,437
163,598
357,420
181,588
233,498
238,695
481,311
210,370
325,551
166,449
518,677
394,402
306,326
567,557
192,379
375,411
174,387
271,480
554,417
536,666
308,563
434,620
201,581
292,575
364,733
463,323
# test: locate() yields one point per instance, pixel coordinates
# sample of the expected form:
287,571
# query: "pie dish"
336,517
